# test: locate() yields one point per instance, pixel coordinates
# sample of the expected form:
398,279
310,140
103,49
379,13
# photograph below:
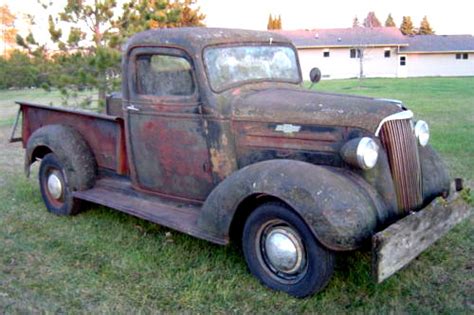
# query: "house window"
326,53
355,53
403,60
462,56
387,53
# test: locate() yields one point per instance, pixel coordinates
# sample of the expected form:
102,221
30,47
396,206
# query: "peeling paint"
220,163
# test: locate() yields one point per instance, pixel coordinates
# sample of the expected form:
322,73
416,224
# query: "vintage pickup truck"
215,136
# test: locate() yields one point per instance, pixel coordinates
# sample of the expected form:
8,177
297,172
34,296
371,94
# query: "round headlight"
422,132
367,153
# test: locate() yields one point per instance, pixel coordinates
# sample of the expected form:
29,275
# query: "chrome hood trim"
391,100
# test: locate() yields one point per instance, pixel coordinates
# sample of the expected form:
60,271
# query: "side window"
163,75
403,60
462,56
355,53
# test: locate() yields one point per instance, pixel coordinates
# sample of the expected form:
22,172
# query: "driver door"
168,147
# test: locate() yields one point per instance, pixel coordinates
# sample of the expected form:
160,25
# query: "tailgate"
401,242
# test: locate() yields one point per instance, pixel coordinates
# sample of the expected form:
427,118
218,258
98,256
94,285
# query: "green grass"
103,261
8,98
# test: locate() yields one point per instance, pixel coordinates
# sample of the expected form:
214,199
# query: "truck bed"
104,133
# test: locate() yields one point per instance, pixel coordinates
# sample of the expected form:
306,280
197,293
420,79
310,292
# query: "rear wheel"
282,252
55,190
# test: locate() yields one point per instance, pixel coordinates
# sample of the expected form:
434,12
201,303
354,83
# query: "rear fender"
71,149
340,208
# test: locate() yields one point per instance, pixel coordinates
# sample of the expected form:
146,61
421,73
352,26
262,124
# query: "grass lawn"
105,261
8,108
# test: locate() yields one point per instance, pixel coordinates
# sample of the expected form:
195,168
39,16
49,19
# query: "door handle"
132,107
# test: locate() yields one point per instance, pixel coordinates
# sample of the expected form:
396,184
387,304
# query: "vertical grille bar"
402,149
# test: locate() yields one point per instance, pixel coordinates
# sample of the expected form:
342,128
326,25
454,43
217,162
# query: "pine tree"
371,20
274,23
407,26
278,24
425,27
270,22
355,22
141,15
390,22
91,51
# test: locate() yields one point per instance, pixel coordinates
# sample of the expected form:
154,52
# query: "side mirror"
315,75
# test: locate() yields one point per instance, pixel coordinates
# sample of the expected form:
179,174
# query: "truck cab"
214,135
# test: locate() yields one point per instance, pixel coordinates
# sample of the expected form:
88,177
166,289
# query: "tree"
425,27
359,52
270,22
8,30
278,24
141,15
21,70
407,26
390,22
371,20
90,26
355,22
274,23
89,34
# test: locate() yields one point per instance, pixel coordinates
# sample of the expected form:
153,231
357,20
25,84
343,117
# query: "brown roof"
439,43
346,37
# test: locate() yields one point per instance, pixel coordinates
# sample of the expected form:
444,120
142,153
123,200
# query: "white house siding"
339,65
433,64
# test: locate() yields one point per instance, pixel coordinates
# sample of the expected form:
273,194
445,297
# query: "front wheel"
282,252
55,190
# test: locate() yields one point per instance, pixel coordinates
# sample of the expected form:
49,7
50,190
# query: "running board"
119,194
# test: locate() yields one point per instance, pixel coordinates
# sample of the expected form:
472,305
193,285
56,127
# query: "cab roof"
194,39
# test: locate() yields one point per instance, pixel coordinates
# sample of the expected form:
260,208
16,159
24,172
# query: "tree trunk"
361,66
102,87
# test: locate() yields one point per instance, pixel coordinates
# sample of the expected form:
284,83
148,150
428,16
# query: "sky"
445,17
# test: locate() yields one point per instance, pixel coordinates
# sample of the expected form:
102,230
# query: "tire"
51,176
301,268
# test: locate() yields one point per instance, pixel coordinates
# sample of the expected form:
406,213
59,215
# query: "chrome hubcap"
55,186
284,250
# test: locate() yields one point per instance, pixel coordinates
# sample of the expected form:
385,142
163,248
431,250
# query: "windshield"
229,66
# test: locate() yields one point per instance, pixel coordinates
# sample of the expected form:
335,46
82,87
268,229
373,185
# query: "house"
438,55
382,52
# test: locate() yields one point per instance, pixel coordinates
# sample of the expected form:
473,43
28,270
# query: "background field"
105,261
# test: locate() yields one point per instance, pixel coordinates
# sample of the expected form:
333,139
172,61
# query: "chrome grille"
402,149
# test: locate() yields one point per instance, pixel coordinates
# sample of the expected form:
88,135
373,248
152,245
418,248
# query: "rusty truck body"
215,136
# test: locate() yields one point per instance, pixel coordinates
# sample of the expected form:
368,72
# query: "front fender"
436,179
341,209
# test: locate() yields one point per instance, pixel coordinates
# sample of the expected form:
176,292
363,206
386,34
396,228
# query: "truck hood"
289,105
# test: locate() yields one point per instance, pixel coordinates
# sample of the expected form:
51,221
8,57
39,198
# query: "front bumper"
397,245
